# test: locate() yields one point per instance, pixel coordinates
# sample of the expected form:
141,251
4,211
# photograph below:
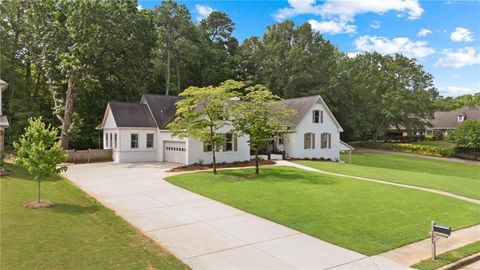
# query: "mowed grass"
363,216
79,233
454,177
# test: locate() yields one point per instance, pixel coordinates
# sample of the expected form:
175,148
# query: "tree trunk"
67,117
256,162
28,78
12,83
178,74
168,73
38,191
214,161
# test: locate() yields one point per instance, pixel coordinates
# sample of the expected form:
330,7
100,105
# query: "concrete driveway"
204,233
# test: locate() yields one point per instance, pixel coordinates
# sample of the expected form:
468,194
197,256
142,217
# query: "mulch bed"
42,204
196,167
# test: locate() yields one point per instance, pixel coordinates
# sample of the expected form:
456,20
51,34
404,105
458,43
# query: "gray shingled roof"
131,114
448,120
301,106
162,107
163,110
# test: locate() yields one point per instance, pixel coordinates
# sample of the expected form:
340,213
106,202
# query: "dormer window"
317,116
461,118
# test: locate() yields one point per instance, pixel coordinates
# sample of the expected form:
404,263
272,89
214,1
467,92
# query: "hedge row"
427,150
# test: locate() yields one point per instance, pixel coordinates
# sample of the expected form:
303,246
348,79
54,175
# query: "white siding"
197,155
124,151
294,147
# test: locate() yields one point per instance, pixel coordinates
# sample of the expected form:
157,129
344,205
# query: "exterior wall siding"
294,147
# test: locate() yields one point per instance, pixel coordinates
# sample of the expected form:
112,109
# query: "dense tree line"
450,104
64,60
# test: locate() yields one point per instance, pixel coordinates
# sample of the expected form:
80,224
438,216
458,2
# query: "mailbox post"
437,233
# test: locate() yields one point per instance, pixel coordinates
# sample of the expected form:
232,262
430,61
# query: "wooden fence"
88,156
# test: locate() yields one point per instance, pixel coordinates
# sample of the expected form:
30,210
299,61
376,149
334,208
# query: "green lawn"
449,257
459,178
363,216
79,233
443,144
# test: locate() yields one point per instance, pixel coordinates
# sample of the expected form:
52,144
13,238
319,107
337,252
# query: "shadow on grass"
22,174
281,175
74,209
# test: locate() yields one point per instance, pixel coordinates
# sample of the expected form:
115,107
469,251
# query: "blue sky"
444,36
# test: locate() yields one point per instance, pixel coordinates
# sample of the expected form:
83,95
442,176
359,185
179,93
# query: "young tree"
467,134
202,112
39,152
263,117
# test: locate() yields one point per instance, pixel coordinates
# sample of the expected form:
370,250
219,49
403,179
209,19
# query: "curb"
461,263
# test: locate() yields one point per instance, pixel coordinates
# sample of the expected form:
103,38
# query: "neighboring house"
3,119
137,132
446,121
442,121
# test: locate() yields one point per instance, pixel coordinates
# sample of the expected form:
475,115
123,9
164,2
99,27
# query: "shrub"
467,135
409,148
438,135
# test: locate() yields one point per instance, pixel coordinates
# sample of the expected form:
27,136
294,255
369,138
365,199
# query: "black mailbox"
442,230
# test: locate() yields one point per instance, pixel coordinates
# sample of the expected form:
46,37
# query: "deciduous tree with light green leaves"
39,151
202,112
264,118
467,134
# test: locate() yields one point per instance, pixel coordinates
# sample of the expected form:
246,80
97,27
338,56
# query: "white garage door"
174,152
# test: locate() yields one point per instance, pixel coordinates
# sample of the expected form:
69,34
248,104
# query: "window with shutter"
309,141
315,116
321,117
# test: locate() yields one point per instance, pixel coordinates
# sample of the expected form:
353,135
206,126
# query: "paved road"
204,233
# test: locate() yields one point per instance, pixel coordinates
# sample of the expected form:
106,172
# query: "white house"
138,132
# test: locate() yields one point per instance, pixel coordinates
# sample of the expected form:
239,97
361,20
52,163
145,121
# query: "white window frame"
325,140
309,140
232,142
460,118
317,116
152,140
132,145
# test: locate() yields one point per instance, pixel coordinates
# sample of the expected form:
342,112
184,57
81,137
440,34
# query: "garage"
174,151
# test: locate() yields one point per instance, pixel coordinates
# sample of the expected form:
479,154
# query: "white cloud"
332,27
375,24
203,11
139,7
353,54
458,58
403,45
424,32
461,34
454,91
348,9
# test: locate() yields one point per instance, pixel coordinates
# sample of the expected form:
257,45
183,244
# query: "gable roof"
448,120
129,115
162,108
302,106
